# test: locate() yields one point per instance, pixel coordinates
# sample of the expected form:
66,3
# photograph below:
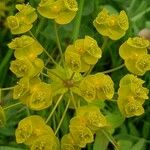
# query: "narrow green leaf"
101,141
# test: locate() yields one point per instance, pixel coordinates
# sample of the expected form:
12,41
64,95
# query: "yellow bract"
94,118
98,86
21,88
67,143
138,65
34,93
134,52
22,21
25,46
33,131
83,126
80,134
46,142
131,96
113,26
82,54
62,11
26,68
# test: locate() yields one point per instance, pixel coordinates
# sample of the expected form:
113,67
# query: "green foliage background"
134,133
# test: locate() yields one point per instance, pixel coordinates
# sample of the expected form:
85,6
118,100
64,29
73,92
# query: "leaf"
139,145
101,141
115,119
9,148
125,144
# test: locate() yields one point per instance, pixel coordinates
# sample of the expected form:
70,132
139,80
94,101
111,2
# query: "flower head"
131,96
62,11
82,54
22,21
113,26
25,46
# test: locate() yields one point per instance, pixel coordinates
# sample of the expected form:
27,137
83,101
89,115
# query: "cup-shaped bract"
113,26
25,46
2,117
40,96
31,128
81,134
62,11
81,55
133,47
131,96
21,88
67,143
94,118
26,68
45,142
22,21
98,86
138,65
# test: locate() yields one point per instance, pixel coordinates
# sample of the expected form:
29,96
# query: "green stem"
78,20
54,74
114,69
73,100
110,138
58,42
138,16
63,116
44,74
54,108
72,76
105,43
45,51
5,60
13,105
8,88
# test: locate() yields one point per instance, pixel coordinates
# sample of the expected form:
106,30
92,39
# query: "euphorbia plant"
71,80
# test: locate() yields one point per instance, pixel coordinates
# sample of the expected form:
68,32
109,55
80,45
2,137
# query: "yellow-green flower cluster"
34,132
134,52
30,90
82,127
37,95
26,51
62,11
22,21
82,54
131,96
98,86
113,26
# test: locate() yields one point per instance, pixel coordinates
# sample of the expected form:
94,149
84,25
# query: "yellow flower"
103,87
138,65
25,46
113,26
41,96
81,134
2,117
31,128
21,88
94,118
82,54
62,11
45,142
26,68
22,21
131,95
67,143
133,47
